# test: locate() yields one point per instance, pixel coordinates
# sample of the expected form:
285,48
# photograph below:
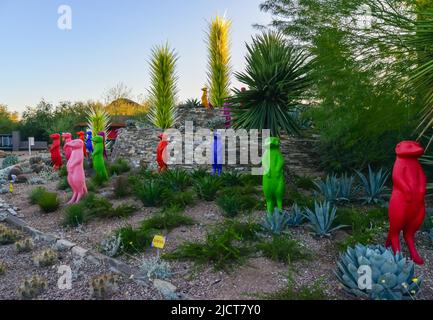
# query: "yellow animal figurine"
204,98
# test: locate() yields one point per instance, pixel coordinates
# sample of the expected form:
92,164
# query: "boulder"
22,178
35,160
3,154
16,171
38,167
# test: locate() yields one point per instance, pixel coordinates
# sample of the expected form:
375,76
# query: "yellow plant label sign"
11,187
158,242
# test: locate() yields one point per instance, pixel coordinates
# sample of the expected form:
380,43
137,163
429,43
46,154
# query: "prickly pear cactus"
392,276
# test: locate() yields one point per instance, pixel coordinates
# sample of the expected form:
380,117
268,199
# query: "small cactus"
103,286
45,258
31,287
8,236
2,268
25,245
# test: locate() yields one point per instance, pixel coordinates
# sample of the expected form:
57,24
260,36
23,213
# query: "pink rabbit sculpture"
67,137
76,176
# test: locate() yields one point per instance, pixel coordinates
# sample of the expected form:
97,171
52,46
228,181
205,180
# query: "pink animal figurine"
76,176
67,137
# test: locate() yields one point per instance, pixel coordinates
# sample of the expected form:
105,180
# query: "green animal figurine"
273,177
98,158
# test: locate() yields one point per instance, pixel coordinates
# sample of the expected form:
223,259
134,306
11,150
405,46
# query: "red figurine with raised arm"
407,204
56,157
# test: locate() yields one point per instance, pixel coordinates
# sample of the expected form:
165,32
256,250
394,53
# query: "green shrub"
150,193
91,187
233,204
219,248
246,231
96,206
48,202
293,196
121,187
121,211
200,173
98,181
178,199
63,184
119,166
63,171
251,180
9,161
36,194
282,248
304,182
176,180
231,179
207,187
135,240
168,219
74,215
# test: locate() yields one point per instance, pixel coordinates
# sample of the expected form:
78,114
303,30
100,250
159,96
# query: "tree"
8,120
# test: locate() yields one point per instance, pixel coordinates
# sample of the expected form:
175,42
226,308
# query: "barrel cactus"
392,275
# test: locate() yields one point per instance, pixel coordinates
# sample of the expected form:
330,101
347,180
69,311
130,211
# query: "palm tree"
277,76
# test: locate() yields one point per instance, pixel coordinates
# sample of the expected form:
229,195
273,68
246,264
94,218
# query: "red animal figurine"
81,136
407,204
160,153
67,137
56,157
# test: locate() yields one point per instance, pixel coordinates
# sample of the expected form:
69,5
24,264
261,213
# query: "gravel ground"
257,275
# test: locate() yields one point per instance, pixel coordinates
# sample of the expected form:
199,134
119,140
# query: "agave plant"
163,91
296,216
193,103
329,189
374,185
219,60
276,222
98,119
321,219
392,276
346,189
277,77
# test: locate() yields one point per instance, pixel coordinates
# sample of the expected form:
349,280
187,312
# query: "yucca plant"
374,185
392,276
98,119
277,77
322,218
218,42
163,90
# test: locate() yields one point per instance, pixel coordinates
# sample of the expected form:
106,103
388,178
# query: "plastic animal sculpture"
407,204
273,177
98,158
67,137
217,154
204,98
89,144
102,134
227,115
160,153
76,176
56,157
80,135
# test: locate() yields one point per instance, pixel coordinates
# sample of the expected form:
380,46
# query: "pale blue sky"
110,42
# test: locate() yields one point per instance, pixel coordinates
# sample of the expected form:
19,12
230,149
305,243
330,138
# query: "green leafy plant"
373,185
168,219
162,113
63,184
207,187
74,215
219,248
192,103
276,222
233,204
176,180
9,161
98,119
36,194
135,240
48,202
219,60
283,249
150,193
121,187
119,166
277,78
231,179
393,277
304,182
321,218
178,199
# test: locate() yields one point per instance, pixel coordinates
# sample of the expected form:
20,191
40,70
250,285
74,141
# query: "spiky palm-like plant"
98,119
163,89
218,42
277,76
